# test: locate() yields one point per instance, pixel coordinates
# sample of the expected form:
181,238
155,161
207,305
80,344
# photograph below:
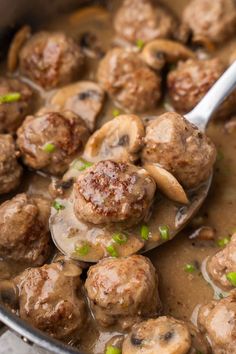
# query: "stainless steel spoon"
67,231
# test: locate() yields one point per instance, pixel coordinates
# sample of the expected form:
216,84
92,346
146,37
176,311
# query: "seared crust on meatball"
111,192
129,81
13,113
190,81
51,59
143,20
217,321
165,335
49,141
123,290
180,148
222,263
10,170
24,231
50,298
214,20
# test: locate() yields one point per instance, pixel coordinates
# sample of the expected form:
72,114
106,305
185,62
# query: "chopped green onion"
58,206
82,250
112,251
115,112
220,155
144,232
164,232
112,350
81,164
231,277
140,43
222,242
49,147
120,238
10,97
189,268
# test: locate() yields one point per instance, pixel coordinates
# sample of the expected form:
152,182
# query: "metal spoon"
67,231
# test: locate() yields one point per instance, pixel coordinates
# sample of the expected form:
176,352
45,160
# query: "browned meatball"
50,298
190,81
180,148
123,290
51,59
217,321
24,231
214,20
112,191
143,20
129,81
10,170
164,335
49,141
223,263
13,113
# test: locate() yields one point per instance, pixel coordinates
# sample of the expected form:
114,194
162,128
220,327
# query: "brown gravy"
181,293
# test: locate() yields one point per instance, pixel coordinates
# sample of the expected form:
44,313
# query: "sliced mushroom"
85,98
82,15
167,183
163,335
19,39
120,139
161,51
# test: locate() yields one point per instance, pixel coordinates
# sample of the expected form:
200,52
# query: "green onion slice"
164,232
10,97
58,206
81,164
112,350
231,277
82,250
120,238
115,112
112,251
144,232
49,147
189,268
140,43
222,242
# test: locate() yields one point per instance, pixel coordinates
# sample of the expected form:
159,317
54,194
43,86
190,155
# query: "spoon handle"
202,113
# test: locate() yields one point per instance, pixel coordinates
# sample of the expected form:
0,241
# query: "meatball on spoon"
113,208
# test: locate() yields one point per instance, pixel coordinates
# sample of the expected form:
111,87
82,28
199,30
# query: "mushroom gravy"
181,292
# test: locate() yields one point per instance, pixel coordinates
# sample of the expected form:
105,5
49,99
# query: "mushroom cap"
120,139
164,335
85,98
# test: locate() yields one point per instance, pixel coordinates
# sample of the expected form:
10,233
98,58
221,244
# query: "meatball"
13,113
24,231
123,290
49,141
143,19
190,81
129,81
50,298
180,148
223,263
110,192
164,335
10,170
51,59
217,320
214,20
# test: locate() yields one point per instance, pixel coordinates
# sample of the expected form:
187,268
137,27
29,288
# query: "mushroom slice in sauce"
120,139
167,183
85,98
18,41
161,51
